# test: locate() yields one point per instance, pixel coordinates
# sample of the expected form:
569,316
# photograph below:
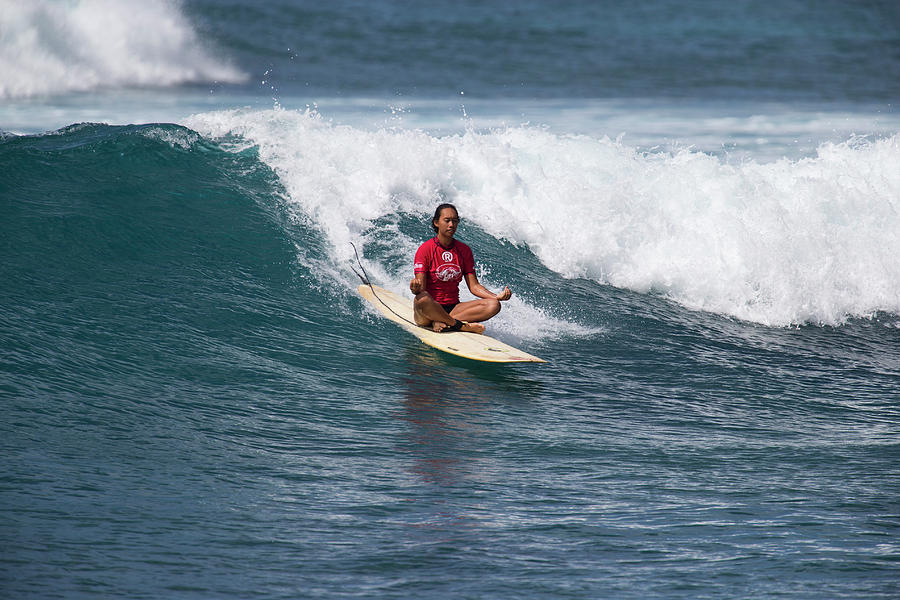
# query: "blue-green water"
194,402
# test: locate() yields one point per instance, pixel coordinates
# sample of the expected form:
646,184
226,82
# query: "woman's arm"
482,292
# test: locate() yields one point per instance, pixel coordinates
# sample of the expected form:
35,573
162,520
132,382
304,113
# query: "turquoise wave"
140,251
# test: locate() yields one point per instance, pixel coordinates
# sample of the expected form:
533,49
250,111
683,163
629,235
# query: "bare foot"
440,326
473,327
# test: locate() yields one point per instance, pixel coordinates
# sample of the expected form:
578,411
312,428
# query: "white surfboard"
468,345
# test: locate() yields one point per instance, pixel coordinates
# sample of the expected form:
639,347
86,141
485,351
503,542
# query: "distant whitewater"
49,47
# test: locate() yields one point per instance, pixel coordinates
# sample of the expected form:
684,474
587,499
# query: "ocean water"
694,203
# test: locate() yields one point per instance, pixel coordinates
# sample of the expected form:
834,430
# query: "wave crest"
789,242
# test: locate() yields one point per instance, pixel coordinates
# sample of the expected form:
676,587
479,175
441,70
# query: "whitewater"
783,243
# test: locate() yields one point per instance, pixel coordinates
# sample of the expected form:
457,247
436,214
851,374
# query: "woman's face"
447,222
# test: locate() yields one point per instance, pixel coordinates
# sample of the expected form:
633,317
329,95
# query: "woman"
441,263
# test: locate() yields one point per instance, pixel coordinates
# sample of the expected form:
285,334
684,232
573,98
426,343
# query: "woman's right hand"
506,294
416,286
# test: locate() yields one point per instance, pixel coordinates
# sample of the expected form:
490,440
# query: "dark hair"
437,214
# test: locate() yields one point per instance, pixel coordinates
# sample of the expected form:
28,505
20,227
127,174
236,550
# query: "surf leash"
365,279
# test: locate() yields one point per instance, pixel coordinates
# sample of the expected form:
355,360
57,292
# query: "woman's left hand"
506,294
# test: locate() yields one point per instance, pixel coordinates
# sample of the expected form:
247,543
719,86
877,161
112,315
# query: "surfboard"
474,346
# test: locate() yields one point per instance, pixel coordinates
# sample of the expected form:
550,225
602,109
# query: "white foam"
176,138
807,241
51,47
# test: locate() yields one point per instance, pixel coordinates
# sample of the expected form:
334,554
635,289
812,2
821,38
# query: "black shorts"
449,307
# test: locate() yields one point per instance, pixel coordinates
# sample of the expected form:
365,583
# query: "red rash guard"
444,268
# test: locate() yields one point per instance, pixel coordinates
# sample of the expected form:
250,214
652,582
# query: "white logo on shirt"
448,273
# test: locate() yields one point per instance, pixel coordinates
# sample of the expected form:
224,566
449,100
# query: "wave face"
789,242
49,47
